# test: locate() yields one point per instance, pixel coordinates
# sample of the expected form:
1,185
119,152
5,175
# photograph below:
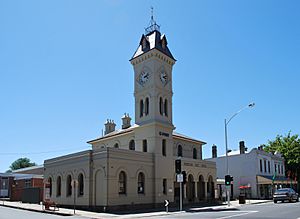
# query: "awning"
269,180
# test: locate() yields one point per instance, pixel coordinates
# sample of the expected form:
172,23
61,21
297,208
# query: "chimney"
214,151
126,121
242,147
109,126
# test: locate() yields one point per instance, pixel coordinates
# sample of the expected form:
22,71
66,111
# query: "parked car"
286,194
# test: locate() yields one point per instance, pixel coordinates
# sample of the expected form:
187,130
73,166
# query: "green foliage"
289,147
21,163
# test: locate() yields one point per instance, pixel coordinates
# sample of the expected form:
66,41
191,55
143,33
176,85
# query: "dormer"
144,43
164,42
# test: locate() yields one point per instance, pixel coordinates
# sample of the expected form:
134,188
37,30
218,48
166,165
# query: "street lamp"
226,145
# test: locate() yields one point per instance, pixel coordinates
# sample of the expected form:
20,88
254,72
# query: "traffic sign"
180,177
166,203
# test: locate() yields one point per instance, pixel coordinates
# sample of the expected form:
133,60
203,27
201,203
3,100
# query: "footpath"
234,205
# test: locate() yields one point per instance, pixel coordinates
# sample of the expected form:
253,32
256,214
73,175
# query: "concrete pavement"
64,211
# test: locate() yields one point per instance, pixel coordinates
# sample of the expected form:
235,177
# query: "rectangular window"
260,165
164,153
269,170
275,168
278,168
27,183
265,166
164,186
144,145
281,169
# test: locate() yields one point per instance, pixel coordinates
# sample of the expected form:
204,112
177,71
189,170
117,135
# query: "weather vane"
152,25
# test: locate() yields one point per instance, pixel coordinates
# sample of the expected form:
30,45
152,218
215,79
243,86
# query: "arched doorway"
201,188
210,188
190,188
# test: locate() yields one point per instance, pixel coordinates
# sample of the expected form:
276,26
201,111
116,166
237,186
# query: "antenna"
152,24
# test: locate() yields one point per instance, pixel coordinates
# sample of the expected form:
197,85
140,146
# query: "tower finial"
152,25
152,13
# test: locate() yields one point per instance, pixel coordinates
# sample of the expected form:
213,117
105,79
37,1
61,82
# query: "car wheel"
275,201
297,200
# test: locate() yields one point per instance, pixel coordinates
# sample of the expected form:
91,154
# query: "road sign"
179,177
167,203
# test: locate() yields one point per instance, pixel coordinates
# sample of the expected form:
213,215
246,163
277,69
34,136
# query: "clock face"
164,77
144,77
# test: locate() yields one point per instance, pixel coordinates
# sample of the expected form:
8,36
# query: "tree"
289,147
21,163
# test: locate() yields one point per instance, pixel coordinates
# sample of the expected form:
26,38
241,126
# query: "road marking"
237,215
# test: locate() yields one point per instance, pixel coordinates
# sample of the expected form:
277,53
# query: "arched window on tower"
132,145
147,106
166,107
194,153
164,149
141,108
179,151
161,106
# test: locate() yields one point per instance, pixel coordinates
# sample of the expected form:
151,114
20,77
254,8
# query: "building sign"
164,134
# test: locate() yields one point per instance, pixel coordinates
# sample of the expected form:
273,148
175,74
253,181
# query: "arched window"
116,145
122,183
164,150
141,183
166,107
141,108
58,186
194,153
145,145
132,145
161,106
69,186
80,184
147,106
179,151
50,183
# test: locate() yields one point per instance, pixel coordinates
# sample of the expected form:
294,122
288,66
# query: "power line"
41,152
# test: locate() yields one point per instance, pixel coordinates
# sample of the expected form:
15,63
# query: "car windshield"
283,190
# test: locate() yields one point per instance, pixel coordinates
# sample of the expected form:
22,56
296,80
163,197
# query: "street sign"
179,177
166,203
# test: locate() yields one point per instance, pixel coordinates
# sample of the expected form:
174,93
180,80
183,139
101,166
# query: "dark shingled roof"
154,41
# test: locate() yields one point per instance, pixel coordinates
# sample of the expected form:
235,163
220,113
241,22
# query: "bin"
242,199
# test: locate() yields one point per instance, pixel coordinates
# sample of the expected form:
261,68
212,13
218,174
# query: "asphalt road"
258,211
12,213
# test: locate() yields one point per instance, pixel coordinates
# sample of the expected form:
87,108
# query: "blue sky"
64,70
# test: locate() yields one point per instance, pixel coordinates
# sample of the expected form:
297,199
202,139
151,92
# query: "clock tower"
152,63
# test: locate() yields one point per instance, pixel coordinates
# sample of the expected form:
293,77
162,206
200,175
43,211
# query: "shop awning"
269,179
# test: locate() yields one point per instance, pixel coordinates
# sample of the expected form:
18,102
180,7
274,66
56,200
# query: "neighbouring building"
134,166
27,188
6,180
255,173
21,187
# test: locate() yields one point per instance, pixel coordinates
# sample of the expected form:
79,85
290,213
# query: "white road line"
237,215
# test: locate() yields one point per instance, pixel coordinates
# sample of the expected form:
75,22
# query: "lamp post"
226,145
74,184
